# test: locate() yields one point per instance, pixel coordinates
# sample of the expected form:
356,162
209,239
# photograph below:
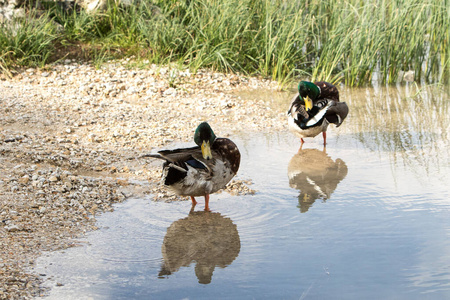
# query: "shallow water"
367,217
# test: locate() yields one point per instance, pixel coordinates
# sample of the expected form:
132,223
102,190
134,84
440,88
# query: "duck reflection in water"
205,237
315,174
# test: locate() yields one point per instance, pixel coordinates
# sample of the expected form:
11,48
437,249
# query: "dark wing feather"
327,91
228,151
181,154
177,162
337,113
318,114
191,156
196,164
173,174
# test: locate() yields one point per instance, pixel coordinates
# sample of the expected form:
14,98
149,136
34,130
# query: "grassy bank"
335,40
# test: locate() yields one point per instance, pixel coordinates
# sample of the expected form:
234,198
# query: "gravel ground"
69,138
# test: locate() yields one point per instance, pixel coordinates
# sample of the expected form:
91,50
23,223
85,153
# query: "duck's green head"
204,137
308,92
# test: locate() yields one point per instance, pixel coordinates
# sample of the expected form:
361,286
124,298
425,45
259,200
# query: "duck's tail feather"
154,155
172,165
337,113
173,173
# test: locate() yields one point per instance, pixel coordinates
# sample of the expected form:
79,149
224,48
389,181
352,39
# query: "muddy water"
367,217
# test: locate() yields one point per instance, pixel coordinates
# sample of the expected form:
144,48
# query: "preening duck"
204,239
314,107
316,175
203,169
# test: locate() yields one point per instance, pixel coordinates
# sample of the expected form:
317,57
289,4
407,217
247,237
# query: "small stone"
53,178
122,182
170,91
13,228
24,179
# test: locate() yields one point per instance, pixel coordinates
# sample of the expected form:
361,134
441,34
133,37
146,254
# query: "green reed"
390,120
386,38
355,41
28,42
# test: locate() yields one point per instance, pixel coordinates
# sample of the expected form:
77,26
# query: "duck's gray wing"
337,113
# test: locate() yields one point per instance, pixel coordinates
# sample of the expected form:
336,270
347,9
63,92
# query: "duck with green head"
314,107
203,169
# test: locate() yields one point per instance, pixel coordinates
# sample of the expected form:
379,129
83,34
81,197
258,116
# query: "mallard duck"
203,169
207,239
316,175
314,107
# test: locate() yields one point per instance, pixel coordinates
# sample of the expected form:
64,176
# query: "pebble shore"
70,136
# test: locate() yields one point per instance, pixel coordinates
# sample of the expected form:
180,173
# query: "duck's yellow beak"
206,150
308,103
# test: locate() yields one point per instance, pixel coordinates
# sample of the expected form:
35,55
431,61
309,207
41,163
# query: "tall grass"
353,41
27,42
387,37
408,133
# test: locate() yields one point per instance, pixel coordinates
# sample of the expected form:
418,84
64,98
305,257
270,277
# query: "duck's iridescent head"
204,137
308,93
